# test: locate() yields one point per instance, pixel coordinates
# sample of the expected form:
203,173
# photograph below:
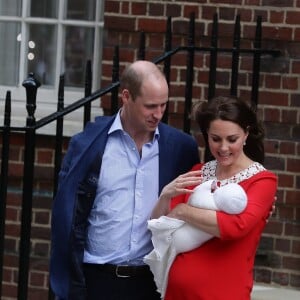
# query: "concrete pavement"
267,292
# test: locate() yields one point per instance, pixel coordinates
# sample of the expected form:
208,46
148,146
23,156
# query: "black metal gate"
31,85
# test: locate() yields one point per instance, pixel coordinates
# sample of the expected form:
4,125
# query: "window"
49,38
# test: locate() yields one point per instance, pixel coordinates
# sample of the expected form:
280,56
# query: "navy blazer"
178,152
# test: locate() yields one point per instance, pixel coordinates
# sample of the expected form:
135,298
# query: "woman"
222,268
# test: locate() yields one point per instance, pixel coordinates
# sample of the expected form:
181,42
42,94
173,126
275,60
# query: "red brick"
151,25
262,275
295,280
227,13
36,279
44,157
271,146
295,100
173,10
293,197
292,263
281,278
271,114
274,227
231,2
37,293
13,214
287,147
297,34
208,13
15,170
111,6
289,116
286,212
292,229
285,180
290,83
278,33
293,165
13,230
139,9
276,16
283,245
10,291
41,249
296,65
156,9
40,232
193,8
278,3
273,81
246,14
292,17
125,7
273,98
296,247
42,217
120,24
252,2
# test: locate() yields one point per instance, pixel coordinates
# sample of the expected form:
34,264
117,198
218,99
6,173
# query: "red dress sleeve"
260,190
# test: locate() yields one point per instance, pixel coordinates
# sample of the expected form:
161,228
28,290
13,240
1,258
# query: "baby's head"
230,198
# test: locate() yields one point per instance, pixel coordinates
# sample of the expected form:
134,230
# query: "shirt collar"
117,125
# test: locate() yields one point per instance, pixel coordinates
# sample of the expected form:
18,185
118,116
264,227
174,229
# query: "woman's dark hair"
237,111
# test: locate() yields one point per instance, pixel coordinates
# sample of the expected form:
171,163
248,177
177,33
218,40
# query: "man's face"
146,111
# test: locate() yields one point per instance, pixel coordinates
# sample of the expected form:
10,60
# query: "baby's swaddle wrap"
171,236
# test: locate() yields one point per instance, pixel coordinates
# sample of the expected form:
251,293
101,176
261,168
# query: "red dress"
222,268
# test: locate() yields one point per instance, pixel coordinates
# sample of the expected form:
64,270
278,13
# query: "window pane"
79,49
44,8
10,8
9,52
81,10
41,55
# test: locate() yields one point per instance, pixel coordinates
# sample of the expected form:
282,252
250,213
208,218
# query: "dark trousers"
103,284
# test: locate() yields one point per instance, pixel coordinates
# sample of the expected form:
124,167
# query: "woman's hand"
180,184
176,187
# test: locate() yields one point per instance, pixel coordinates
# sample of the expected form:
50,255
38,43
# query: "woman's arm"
260,189
203,219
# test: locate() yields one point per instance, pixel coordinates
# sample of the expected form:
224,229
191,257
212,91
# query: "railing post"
59,132
115,78
31,85
213,59
58,147
141,51
4,179
256,64
189,75
167,64
212,72
87,92
235,56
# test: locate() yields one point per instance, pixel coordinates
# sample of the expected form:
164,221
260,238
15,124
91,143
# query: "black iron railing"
31,85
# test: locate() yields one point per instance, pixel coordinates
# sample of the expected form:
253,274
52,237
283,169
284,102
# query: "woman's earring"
244,143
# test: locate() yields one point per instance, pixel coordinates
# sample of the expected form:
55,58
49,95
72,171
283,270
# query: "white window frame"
47,96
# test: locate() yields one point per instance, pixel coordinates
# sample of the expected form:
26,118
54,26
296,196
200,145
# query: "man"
109,183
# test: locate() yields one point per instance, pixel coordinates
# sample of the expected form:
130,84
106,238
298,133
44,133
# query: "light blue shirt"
126,195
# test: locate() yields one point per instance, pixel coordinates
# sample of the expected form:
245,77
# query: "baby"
171,236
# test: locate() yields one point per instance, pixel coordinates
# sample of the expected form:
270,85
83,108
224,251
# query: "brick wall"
41,218
278,257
